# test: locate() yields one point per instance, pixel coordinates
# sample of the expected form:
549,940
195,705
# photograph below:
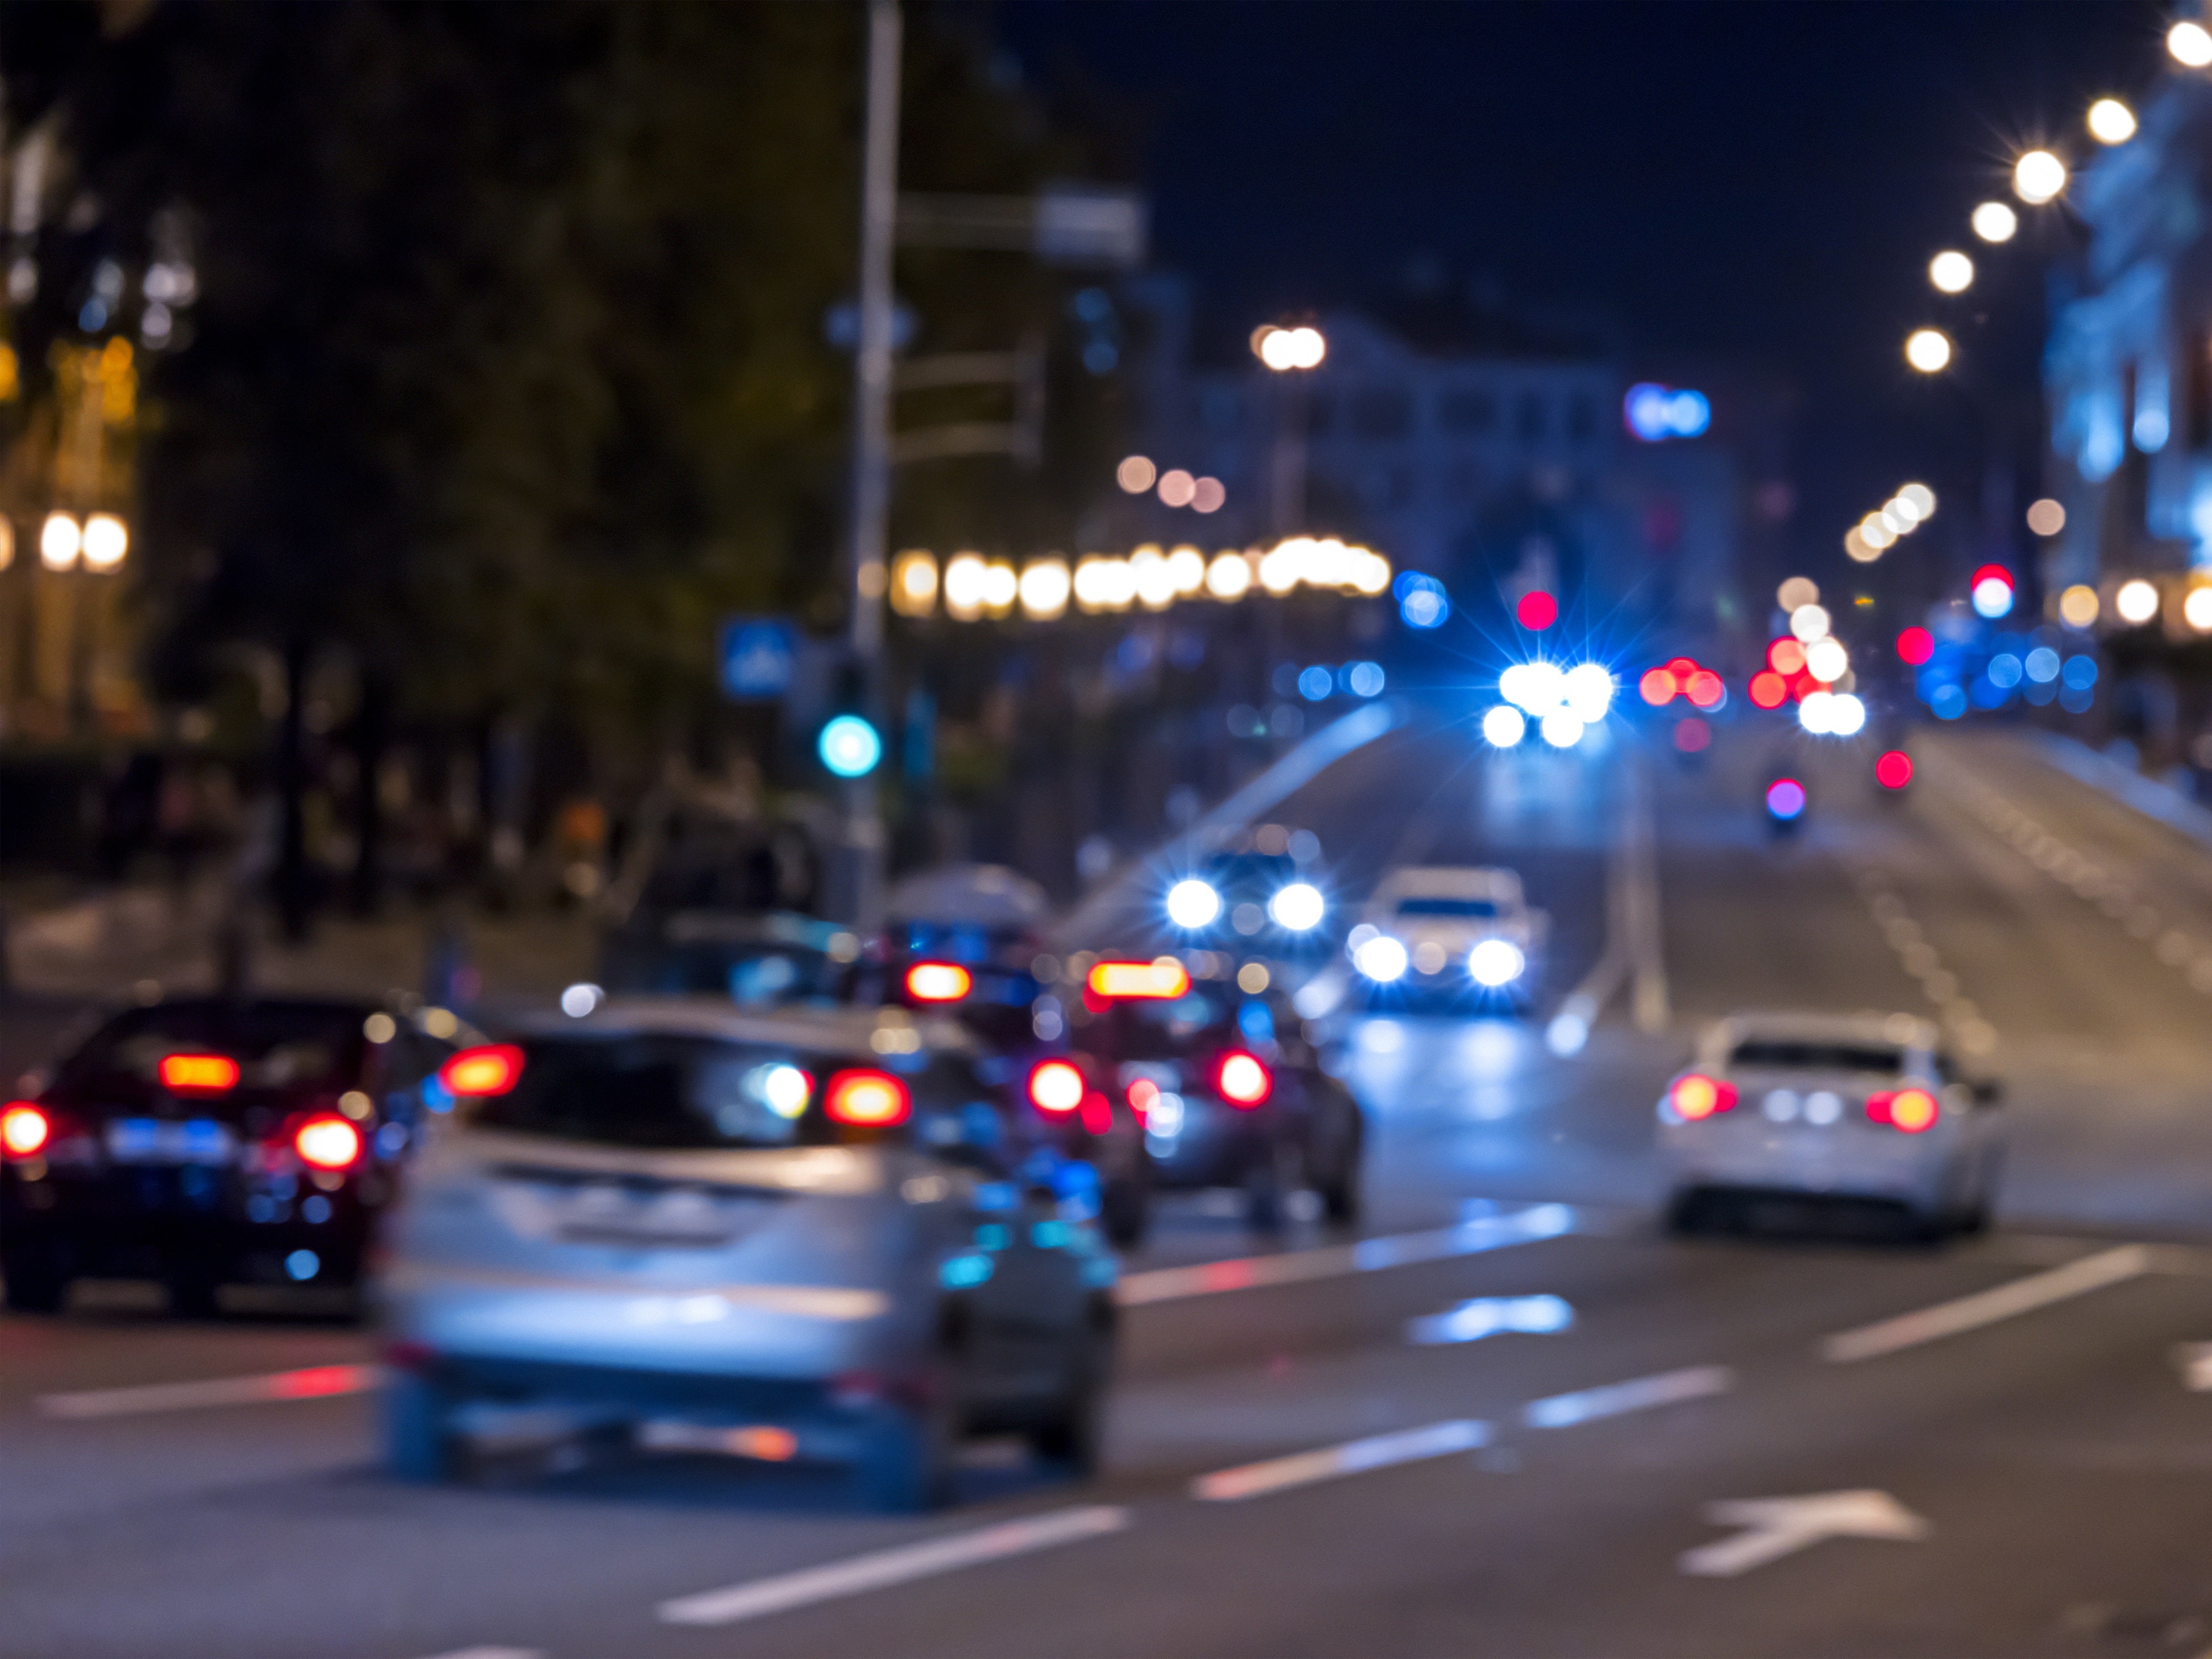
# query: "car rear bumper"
1917,1178
132,1223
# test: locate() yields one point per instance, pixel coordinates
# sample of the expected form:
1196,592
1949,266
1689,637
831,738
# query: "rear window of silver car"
1776,1054
668,1093
1448,907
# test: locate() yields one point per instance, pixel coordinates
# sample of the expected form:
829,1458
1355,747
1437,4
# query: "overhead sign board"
757,653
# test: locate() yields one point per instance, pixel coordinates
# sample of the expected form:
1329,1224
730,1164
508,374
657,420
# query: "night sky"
1761,182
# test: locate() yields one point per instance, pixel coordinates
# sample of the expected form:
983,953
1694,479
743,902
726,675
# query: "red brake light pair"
1697,1097
1909,1109
198,1074
939,982
1164,978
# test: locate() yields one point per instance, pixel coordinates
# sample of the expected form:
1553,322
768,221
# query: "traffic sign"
756,657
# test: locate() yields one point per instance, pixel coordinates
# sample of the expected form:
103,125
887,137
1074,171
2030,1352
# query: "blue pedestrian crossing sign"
758,653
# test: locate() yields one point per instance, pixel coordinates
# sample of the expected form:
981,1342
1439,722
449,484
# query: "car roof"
1889,1030
1450,881
987,896
842,1029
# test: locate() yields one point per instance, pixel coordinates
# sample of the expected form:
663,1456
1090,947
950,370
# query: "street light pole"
857,878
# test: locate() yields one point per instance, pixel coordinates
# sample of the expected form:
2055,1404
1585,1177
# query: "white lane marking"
1368,1254
1486,1315
1562,1411
1776,1527
495,1653
2195,1359
884,1568
311,1382
1354,1457
1968,1313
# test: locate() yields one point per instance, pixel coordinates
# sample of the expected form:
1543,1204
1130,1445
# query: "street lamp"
2190,43
2110,121
59,541
2038,177
1288,352
1928,349
1285,348
1993,221
106,539
1951,272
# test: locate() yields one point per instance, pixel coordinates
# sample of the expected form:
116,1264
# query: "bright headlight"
1193,903
1382,959
1296,907
1496,961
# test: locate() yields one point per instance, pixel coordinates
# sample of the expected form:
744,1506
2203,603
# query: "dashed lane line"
1524,1226
1562,1411
882,1569
1379,1451
310,1382
1970,1313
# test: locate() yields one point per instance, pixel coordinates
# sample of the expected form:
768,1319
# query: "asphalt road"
2007,1475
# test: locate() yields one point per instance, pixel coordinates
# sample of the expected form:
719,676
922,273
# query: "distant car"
964,938
758,959
805,1234
1864,1108
205,1141
1255,895
1450,933
1230,1090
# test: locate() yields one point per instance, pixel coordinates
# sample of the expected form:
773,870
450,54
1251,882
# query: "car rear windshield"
1447,906
666,1092
1769,1054
753,972
290,1046
1252,869
1148,1028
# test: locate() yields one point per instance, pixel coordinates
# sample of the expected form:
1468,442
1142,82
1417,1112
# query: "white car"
1861,1106
1455,932
834,1234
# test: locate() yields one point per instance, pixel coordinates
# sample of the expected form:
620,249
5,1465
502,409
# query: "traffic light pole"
858,858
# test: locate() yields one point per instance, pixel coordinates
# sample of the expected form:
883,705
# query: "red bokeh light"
1802,686
1768,690
1785,657
1915,646
1705,688
1894,769
1989,572
1537,611
1691,735
1657,687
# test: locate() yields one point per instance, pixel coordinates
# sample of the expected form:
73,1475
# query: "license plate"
150,1140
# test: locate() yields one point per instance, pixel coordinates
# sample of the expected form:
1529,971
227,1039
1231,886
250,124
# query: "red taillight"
1163,977
1893,770
1144,1094
1243,1079
1057,1086
866,1100
198,1074
938,981
474,1072
1704,688
1910,1110
1657,687
1768,688
24,1129
1697,1096
328,1143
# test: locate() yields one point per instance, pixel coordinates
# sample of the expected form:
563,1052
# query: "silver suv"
832,1234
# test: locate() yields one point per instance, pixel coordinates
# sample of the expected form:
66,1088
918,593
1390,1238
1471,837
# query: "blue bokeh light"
849,746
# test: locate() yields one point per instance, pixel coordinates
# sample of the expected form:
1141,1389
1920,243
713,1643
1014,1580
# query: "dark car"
756,959
1255,895
1229,1087
210,1141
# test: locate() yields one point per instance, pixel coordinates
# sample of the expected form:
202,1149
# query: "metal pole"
859,884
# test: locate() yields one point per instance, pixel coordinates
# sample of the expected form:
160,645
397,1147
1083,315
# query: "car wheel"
1685,1213
1340,1194
191,1288
1268,1185
1125,1210
906,1459
1075,1434
35,1282
419,1442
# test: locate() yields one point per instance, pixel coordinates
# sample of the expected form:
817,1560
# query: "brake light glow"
938,981
328,1143
24,1129
1697,1097
204,1075
1144,1094
477,1072
1910,1111
1165,978
1893,770
867,1100
1242,1080
1657,687
1057,1086
1768,688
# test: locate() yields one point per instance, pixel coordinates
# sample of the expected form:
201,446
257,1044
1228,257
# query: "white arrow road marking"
1353,1457
1395,1251
311,1382
1776,1527
886,1568
1968,1313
